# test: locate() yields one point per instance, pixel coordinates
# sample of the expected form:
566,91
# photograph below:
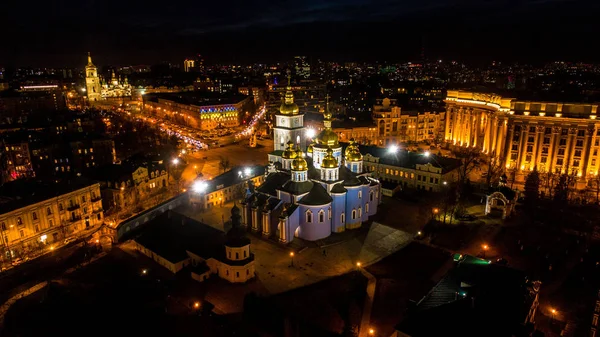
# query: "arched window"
360,212
60,207
237,256
3,226
367,207
48,211
321,216
359,194
353,214
34,215
343,217
50,223
329,213
308,216
19,221
244,253
371,196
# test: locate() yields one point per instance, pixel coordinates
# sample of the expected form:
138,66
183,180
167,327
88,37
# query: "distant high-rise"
188,65
92,82
302,67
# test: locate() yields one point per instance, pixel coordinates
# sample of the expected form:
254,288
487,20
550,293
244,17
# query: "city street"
208,161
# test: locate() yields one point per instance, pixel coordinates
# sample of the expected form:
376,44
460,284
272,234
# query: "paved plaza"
311,264
237,154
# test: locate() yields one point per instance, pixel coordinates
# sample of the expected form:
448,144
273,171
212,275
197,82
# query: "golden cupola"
299,163
327,137
352,152
329,160
289,152
310,148
288,107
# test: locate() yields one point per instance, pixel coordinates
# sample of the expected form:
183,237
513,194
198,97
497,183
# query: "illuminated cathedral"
313,188
97,88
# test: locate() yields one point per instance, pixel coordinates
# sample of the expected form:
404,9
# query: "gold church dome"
289,107
329,160
328,137
299,163
352,152
289,152
310,148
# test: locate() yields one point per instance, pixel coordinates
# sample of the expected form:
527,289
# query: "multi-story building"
364,133
302,66
89,153
422,171
128,185
226,187
50,213
201,110
395,126
15,160
17,106
552,136
188,65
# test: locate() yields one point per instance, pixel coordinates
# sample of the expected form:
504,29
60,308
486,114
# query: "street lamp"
175,161
393,149
371,332
144,271
426,154
358,264
292,257
196,305
247,171
199,186
310,133
485,249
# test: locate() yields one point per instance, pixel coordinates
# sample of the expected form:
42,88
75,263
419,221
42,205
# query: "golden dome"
289,152
327,136
288,107
352,152
299,164
329,160
310,148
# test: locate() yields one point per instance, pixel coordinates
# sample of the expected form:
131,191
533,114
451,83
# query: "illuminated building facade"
98,89
51,214
188,65
200,110
395,126
92,81
309,96
554,136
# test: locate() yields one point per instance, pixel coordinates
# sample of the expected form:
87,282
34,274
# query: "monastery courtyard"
313,261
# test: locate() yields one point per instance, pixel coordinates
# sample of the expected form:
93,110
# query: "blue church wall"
314,230
353,203
374,201
337,208
284,196
293,224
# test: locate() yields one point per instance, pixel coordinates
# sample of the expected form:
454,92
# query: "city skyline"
259,32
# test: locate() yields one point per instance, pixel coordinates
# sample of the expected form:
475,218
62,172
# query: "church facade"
310,190
98,89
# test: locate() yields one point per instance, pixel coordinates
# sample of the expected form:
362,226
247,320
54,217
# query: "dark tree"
532,189
494,170
224,164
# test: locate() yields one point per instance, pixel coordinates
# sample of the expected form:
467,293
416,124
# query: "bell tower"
92,82
289,122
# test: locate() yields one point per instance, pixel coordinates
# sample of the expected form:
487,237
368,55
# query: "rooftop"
198,98
171,234
409,159
234,176
21,193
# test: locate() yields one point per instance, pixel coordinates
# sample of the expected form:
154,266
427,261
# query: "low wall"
127,228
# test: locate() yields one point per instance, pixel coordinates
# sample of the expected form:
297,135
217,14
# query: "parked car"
69,240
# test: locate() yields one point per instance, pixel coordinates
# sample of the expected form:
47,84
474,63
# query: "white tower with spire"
289,122
92,82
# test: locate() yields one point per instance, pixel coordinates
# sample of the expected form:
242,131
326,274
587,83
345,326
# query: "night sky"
60,32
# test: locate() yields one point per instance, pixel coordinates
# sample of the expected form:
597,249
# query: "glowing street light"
196,305
358,264
144,271
371,332
199,186
175,161
311,133
247,171
393,149
292,257
426,154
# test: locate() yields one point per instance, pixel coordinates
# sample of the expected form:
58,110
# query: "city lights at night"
247,168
